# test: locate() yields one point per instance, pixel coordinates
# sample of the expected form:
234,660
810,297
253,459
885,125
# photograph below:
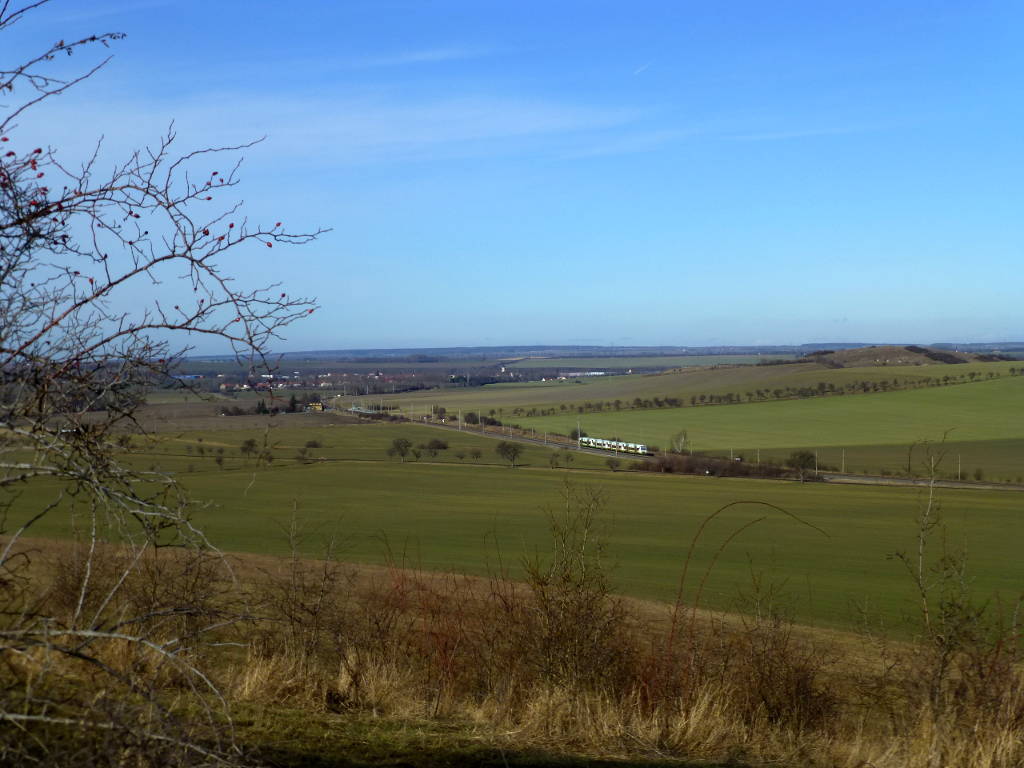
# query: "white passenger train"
613,445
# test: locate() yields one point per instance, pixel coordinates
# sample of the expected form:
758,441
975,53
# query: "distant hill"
895,355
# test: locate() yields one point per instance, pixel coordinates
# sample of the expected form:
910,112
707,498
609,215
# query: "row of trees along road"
82,240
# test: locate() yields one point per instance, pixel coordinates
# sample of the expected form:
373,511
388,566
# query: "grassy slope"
301,738
988,410
452,516
999,460
358,442
682,384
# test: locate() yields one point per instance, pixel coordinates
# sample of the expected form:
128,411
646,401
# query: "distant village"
373,382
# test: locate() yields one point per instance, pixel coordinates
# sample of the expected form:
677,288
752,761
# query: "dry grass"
555,663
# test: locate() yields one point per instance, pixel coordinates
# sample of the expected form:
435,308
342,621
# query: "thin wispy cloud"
336,129
423,56
807,133
630,143
642,68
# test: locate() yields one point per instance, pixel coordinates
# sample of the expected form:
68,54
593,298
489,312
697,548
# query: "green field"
622,363
987,410
999,460
470,517
178,396
741,381
358,442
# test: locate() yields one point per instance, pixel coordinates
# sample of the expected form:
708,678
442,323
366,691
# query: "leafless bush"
576,630
557,659
673,463
960,680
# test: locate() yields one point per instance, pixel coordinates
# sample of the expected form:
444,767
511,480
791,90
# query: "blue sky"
685,173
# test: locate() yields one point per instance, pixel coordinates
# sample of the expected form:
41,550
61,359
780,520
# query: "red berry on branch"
9,154
209,198
270,245
4,138
310,312
40,175
282,295
277,225
231,226
206,231
36,151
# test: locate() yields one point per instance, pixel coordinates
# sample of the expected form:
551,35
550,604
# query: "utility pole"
844,461
815,463
460,419
958,466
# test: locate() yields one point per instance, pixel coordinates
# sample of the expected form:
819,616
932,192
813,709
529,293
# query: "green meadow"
998,460
197,451
742,381
983,411
833,555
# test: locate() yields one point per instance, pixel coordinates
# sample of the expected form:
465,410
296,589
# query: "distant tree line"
674,463
294,405
821,389
472,417
800,465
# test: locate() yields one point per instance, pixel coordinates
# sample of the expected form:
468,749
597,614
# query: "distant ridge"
910,354
509,352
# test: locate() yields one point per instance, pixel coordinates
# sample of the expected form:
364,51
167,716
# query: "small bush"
706,465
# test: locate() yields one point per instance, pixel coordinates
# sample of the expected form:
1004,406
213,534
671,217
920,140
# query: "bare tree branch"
107,278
